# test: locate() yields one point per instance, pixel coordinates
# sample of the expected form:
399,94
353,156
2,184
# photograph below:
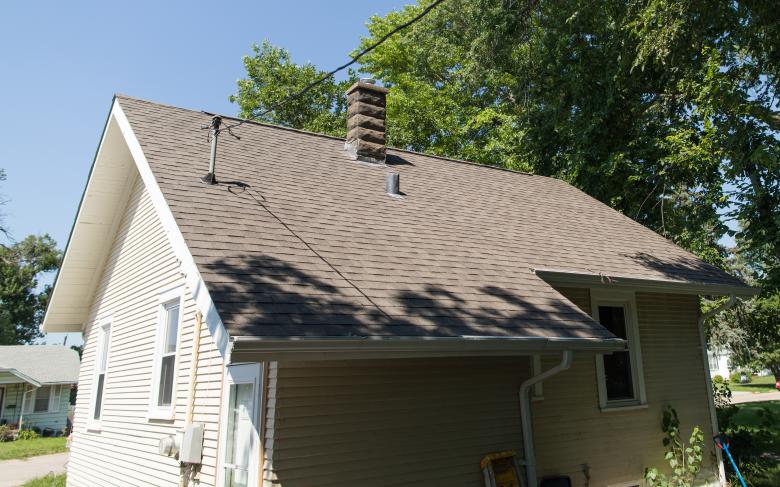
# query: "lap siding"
140,265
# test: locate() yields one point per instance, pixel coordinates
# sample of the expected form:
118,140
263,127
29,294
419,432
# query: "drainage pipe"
705,362
525,414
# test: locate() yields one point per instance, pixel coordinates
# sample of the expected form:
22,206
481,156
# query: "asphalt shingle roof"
298,240
47,364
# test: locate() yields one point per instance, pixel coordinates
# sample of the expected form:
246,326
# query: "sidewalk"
739,397
17,472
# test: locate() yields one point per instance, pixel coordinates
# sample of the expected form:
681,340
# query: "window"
620,373
164,379
241,435
712,358
43,399
101,367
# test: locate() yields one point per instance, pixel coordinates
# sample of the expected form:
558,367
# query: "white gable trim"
189,269
85,254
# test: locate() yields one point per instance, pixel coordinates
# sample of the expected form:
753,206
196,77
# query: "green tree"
271,76
22,302
664,109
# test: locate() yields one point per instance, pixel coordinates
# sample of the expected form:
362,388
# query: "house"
718,360
35,384
289,309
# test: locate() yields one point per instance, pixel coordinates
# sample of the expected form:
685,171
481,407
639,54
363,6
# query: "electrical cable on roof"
327,75
260,202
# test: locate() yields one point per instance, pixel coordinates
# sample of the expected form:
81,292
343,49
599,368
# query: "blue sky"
61,62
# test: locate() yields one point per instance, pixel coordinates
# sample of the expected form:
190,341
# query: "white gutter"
567,277
250,348
705,362
525,414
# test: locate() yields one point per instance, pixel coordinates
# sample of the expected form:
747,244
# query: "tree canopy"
664,109
22,301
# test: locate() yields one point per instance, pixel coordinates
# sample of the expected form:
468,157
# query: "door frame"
247,373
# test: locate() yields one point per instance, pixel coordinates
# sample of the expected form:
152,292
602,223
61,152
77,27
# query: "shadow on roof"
267,296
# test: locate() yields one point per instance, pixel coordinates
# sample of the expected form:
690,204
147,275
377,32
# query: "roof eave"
22,377
564,277
252,348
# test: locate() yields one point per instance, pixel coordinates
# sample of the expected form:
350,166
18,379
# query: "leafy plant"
684,458
724,409
27,435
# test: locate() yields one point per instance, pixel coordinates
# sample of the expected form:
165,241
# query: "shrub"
27,435
717,379
736,377
6,434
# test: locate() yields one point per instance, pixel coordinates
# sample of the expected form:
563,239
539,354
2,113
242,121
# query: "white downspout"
527,420
711,400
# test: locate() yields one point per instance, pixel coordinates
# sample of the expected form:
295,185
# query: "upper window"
619,373
101,367
164,380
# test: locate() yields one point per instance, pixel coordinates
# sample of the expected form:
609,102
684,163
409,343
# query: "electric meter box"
191,450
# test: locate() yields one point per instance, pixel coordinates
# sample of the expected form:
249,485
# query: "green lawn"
47,481
758,384
31,448
749,415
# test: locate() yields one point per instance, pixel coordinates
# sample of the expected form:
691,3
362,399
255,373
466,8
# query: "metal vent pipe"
393,184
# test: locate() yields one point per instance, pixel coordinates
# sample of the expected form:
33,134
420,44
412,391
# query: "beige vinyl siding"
140,266
390,422
571,431
56,420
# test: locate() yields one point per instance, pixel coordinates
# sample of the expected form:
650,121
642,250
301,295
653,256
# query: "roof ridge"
332,137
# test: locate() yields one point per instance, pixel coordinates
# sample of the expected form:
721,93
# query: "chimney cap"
367,84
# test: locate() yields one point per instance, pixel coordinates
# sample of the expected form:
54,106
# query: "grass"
50,480
749,415
29,448
757,384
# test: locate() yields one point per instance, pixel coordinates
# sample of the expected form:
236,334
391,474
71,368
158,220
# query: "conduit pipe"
705,361
525,414
184,470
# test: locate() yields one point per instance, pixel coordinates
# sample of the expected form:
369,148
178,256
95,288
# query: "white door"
240,423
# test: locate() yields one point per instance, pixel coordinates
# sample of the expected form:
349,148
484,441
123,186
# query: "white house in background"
718,360
35,384
305,322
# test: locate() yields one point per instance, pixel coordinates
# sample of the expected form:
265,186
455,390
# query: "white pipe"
525,414
710,399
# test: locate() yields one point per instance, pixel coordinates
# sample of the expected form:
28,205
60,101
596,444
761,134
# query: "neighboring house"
718,360
327,333
35,384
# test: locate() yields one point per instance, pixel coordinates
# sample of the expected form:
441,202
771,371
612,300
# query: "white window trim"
54,398
626,299
102,327
165,413
242,374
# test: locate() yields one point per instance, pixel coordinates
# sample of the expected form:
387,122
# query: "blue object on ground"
724,445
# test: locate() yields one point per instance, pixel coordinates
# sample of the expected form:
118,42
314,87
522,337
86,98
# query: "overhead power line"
327,75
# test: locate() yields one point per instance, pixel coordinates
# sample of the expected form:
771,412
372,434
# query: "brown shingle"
309,244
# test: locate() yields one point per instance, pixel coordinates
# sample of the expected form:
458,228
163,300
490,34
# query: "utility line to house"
327,75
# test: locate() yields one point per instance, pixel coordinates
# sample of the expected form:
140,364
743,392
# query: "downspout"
21,411
527,420
705,362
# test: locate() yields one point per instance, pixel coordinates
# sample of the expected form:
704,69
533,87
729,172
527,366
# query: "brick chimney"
366,104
